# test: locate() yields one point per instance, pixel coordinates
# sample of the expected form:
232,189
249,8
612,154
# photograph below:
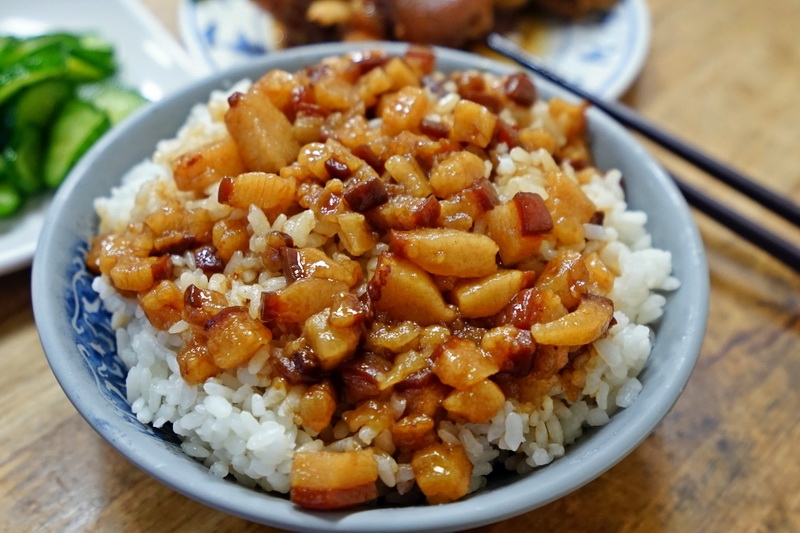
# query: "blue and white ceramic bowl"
80,345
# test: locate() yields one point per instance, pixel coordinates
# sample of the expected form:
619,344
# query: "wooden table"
725,74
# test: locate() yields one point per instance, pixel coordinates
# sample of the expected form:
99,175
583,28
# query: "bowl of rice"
368,285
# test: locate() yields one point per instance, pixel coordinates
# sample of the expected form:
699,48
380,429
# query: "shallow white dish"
150,60
602,54
80,344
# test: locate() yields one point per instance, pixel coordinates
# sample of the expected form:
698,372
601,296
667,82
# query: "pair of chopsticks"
779,248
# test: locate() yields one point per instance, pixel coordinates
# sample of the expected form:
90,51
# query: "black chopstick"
777,204
779,248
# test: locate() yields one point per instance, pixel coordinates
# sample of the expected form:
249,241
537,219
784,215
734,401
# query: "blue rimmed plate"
601,54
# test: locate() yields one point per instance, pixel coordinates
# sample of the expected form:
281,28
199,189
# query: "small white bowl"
80,347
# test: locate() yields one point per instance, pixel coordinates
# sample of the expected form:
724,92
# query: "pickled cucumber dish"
58,95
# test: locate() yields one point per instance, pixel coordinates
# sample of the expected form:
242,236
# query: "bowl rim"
627,429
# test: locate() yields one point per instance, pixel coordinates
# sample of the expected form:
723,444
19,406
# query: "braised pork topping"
422,278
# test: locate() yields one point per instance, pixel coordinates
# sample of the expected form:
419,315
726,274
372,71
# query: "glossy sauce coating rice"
369,280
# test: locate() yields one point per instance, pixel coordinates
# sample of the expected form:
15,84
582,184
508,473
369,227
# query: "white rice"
244,425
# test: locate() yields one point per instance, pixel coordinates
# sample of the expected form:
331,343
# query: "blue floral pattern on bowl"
95,340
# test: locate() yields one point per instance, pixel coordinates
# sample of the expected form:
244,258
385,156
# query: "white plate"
150,60
602,54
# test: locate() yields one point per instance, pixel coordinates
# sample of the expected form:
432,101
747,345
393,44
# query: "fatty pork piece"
420,21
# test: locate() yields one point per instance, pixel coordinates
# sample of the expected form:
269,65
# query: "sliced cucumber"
38,105
76,128
24,155
10,198
16,50
81,59
45,125
7,43
46,63
96,51
117,101
85,70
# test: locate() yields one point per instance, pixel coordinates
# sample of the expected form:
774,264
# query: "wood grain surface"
723,74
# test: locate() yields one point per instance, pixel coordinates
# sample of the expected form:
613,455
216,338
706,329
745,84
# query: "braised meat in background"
453,23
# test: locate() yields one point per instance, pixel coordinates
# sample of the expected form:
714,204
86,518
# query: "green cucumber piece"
24,157
7,43
17,49
76,128
85,70
81,59
96,51
117,101
89,46
10,198
47,63
38,104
